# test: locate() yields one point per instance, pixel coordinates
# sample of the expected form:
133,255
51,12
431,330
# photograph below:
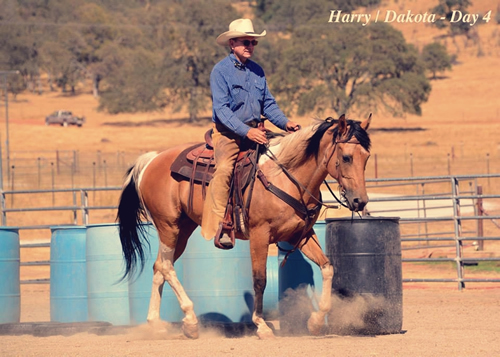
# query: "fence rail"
422,202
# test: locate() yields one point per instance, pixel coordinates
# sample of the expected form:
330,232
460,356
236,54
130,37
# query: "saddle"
196,164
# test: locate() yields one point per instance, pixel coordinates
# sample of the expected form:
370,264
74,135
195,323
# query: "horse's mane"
294,149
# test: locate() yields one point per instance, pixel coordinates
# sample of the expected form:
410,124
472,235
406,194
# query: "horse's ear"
366,124
342,126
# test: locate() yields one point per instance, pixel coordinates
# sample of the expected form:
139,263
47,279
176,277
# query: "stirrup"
224,238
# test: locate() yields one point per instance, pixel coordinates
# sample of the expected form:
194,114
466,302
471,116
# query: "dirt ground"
437,321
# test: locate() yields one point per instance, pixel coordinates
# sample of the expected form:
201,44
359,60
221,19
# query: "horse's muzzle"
356,204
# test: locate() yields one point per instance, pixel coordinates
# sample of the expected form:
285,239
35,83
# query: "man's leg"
226,151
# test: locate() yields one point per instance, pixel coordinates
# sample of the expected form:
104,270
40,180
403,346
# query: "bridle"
337,166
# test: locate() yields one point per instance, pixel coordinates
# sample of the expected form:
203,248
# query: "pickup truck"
64,118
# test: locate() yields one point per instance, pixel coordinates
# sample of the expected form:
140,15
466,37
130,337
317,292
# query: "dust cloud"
351,313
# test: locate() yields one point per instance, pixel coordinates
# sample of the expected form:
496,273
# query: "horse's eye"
346,159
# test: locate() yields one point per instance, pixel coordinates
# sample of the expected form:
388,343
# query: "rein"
300,206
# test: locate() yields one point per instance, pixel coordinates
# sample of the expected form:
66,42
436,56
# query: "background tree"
190,57
436,58
445,8
136,84
351,68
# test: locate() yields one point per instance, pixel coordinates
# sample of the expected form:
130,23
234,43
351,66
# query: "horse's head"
345,159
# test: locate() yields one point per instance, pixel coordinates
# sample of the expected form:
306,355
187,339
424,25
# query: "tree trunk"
95,85
51,84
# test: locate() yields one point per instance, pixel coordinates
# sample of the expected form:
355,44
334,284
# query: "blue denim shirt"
240,94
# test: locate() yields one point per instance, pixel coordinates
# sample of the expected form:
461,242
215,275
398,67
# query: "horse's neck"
310,174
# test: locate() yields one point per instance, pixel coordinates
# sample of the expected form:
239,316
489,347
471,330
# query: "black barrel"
367,283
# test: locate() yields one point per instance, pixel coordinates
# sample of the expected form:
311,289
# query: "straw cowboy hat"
238,28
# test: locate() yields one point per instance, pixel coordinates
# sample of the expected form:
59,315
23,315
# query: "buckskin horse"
296,163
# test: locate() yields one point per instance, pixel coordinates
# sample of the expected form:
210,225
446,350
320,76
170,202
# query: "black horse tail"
131,214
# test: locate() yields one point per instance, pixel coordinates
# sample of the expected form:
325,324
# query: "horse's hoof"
159,326
265,333
315,325
190,330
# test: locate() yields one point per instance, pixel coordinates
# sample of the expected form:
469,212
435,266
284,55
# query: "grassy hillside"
462,116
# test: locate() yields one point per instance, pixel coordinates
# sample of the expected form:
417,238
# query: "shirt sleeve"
221,104
271,110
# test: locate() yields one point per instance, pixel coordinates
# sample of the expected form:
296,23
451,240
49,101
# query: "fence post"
73,174
411,164
488,166
76,161
480,212
105,174
85,202
376,167
39,173
57,162
458,232
93,181
425,215
75,213
53,184
4,214
12,186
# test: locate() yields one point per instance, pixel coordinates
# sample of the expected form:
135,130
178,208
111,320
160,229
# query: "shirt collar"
235,61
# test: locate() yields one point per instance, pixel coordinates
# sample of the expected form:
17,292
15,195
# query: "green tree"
97,32
54,59
190,57
351,68
445,8
135,83
287,14
436,58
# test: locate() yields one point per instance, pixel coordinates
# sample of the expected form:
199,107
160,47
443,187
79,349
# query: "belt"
253,123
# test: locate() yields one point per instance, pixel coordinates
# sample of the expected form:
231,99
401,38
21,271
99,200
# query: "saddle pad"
183,167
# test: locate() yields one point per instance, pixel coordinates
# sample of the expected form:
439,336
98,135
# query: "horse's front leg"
313,251
259,246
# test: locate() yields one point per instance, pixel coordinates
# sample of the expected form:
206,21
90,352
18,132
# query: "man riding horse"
240,96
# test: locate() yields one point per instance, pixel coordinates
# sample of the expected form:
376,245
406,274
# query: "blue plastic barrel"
271,294
140,286
219,282
10,294
108,298
68,274
299,271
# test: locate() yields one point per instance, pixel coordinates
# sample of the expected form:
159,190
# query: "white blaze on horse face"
351,160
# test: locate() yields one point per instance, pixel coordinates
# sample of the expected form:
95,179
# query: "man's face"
243,47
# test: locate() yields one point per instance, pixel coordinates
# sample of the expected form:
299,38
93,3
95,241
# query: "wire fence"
73,169
443,219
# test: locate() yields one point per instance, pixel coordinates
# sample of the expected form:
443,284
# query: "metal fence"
441,212
435,212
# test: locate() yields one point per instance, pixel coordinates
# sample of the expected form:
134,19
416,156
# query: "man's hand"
292,126
257,135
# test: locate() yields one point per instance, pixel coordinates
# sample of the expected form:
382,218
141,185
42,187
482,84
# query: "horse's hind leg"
172,239
313,251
